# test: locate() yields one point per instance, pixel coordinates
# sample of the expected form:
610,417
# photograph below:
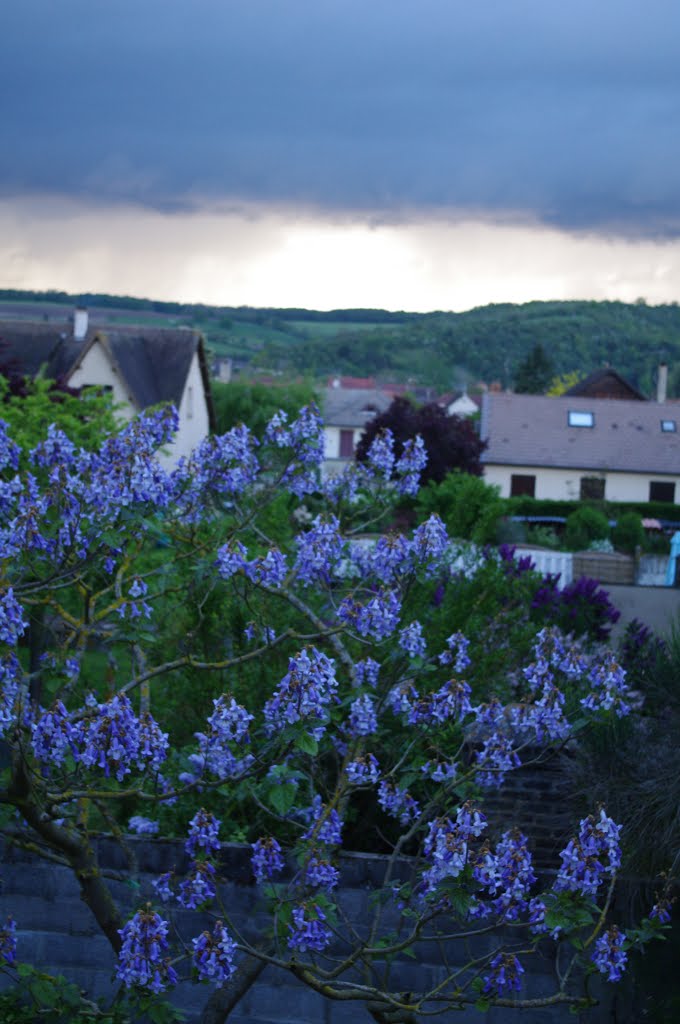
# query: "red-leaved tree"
451,441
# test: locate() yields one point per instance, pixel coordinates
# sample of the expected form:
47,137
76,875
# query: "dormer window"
668,426
581,419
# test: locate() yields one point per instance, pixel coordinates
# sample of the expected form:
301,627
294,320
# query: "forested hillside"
489,343
444,349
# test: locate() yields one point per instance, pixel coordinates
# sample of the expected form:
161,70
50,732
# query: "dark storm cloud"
564,113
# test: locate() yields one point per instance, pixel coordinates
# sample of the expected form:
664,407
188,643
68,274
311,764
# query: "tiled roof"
626,436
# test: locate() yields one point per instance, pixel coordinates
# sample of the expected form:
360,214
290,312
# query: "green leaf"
307,744
281,797
43,992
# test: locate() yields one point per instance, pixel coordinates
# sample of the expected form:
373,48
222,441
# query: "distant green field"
315,329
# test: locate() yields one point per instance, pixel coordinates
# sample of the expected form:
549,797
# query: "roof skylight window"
668,426
581,419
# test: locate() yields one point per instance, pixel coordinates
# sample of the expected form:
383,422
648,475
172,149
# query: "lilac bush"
362,711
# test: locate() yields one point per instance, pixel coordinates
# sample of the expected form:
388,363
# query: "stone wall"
56,931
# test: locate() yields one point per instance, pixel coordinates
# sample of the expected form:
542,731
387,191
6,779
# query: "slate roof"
153,362
26,347
353,407
531,430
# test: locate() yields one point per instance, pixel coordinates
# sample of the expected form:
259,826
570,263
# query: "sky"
404,154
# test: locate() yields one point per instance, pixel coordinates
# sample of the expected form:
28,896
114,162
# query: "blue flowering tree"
359,707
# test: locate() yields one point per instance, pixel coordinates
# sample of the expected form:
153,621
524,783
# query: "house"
346,411
141,366
605,383
573,448
458,403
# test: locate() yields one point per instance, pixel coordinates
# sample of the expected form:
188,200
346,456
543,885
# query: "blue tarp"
672,569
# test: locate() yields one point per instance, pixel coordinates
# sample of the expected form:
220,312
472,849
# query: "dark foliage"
582,607
451,441
534,374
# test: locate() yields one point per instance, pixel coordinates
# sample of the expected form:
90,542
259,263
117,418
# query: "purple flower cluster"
398,803
143,826
10,687
8,941
440,771
662,910
366,672
430,541
228,727
204,828
220,466
387,559
136,609
450,702
457,653
446,850
321,874
9,450
609,956
410,465
319,550
363,719
496,757
377,618
609,688
163,886
505,975
326,824
412,641
381,454
12,622
264,570
213,955
304,693
304,436
267,859
308,930
110,737
592,855
508,875
363,770
142,961
198,887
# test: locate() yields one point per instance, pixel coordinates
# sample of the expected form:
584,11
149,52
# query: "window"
660,490
592,488
190,402
522,486
346,444
668,426
581,419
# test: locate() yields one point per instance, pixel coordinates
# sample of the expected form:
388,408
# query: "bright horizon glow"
261,255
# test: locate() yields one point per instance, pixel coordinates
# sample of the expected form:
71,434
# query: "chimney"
79,323
662,382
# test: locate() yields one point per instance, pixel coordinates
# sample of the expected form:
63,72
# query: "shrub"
469,507
584,525
628,534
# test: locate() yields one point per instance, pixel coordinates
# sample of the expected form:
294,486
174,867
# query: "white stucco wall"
565,484
194,423
331,440
96,369
333,463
